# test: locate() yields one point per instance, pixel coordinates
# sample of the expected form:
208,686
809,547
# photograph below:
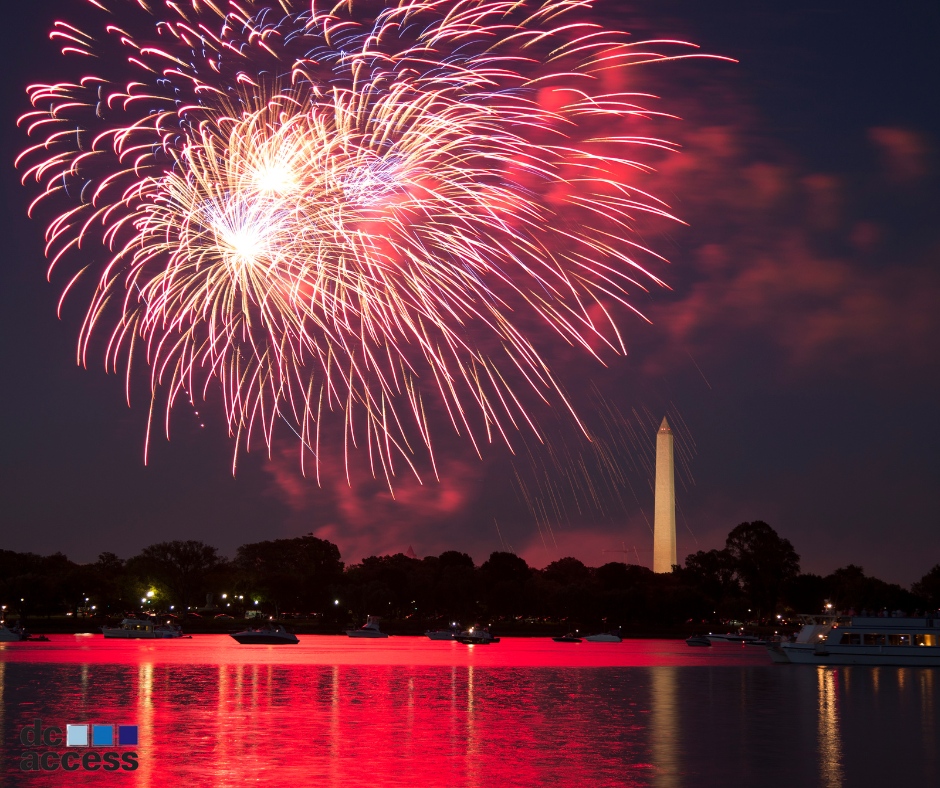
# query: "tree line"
753,578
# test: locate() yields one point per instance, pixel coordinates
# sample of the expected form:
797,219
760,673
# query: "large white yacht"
141,628
858,640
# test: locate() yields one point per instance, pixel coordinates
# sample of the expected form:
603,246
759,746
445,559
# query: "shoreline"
68,626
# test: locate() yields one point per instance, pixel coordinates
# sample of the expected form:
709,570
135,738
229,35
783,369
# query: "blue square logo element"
76,735
102,735
127,735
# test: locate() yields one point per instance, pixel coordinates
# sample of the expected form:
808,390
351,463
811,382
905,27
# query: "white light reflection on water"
664,728
830,740
333,713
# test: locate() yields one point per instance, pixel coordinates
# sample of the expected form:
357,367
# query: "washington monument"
664,517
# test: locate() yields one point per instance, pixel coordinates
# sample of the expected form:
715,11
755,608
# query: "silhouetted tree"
454,591
300,573
928,588
306,574
807,593
567,571
628,593
108,585
763,561
389,584
850,588
565,588
451,559
181,567
504,577
32,584
713,574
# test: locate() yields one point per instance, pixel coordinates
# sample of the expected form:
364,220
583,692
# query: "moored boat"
14,634
698,640
571,637
444,634
814,629
267,634
135,628
477,636
368,630
859,640
731,637
604,637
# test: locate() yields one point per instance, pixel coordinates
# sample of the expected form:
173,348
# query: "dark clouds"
802,259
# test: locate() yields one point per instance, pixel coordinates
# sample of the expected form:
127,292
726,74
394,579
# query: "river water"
411,712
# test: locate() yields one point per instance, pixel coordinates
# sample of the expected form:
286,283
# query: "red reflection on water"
336,712
341,650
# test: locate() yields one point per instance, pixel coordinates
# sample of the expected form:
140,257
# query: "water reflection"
237,721
830,740
928,718
4,732
144,719
472,748
664,728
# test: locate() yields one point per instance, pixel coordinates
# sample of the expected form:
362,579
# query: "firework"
360,214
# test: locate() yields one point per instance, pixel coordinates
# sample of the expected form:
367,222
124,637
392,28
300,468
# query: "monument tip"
664,427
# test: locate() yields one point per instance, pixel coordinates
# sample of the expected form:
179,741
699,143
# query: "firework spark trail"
571,479
367,211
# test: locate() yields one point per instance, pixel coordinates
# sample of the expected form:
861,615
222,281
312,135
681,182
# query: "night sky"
796,352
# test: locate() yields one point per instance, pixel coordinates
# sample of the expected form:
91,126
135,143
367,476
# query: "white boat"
266,634
14,634
604,637
865,641
477,636
814,630
142,628
368,630
731,637
444,634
